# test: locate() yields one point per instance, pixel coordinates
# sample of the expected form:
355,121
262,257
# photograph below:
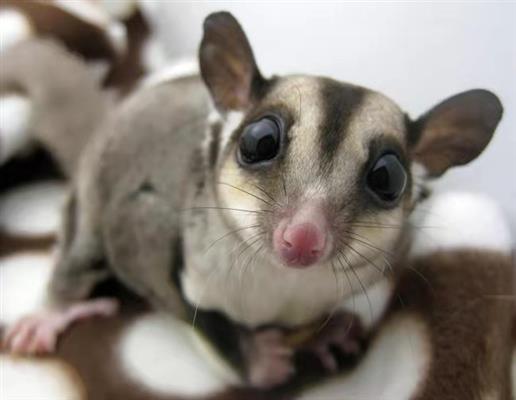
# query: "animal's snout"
302,244
301,241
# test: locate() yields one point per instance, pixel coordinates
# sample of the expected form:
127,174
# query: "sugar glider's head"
320,172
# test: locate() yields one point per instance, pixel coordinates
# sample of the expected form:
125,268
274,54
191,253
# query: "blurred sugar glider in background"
38,105
51,52
259,208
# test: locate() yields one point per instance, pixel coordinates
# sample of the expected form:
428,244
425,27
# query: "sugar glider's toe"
38,333
269,360
33,334
341,334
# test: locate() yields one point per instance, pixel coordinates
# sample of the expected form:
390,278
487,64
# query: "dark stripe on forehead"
339,101
214,144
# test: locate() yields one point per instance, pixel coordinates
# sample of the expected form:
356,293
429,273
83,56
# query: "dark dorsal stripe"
214,144
339,102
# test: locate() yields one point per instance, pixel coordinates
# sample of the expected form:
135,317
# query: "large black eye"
387,178
260,141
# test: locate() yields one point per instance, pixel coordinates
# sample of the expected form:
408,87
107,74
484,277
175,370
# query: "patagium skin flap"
259,202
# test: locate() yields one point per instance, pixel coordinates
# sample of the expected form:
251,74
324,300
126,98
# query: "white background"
416,53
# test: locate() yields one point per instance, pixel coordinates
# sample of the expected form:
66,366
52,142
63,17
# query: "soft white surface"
23,280
32,210
175,70
118,35
168,357
118,9
391,370
154,57
460,220
24,379
15,113
14,28
418,53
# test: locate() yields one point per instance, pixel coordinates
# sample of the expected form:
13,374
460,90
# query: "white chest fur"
262,293
251,290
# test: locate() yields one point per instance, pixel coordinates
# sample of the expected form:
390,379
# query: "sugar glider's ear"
227,63
455,131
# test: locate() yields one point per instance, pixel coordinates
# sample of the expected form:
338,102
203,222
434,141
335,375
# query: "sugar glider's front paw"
269,359
38,333
341,335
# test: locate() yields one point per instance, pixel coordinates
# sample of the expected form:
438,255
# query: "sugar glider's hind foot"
38,333
341,335
269,359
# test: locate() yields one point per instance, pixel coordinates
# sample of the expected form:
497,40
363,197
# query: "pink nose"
302,244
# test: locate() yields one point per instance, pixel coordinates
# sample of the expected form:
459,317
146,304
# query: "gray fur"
129,195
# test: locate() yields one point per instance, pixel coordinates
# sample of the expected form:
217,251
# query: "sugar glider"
256,206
